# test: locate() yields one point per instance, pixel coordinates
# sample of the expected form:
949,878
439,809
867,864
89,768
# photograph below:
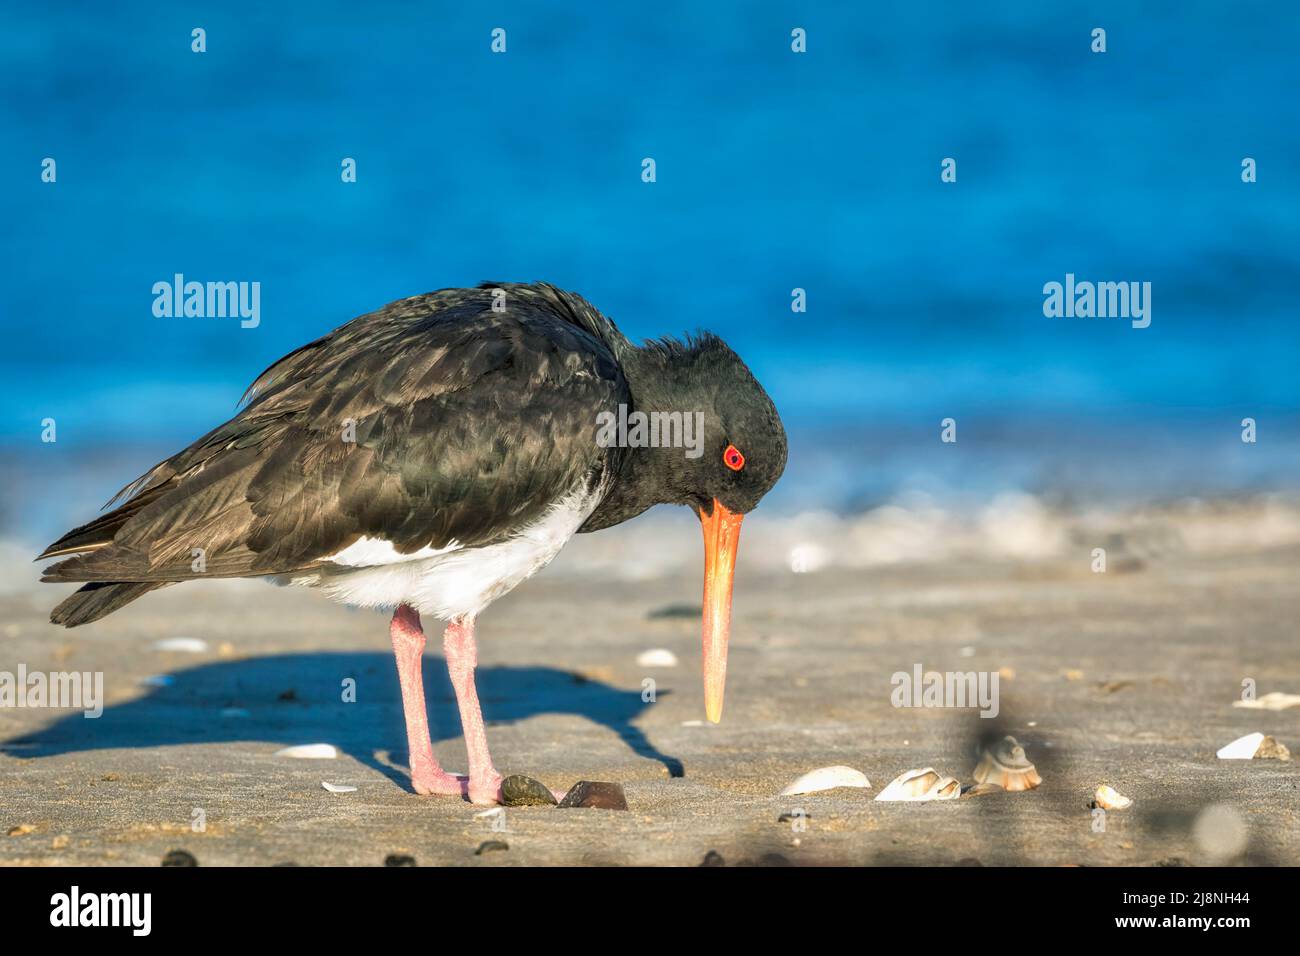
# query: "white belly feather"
453,581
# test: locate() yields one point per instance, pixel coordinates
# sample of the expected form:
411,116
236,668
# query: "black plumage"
436,419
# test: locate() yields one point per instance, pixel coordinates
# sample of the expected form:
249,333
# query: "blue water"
775,171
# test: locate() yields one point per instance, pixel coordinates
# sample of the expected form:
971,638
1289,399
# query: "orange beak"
721,537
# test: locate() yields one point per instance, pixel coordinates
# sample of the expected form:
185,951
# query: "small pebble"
791,817
518,790
1276,700
1270,749
692,611
491,846
182,645
657,657
179,858
309,752
21,829
399,859
60,842
595,795
713,858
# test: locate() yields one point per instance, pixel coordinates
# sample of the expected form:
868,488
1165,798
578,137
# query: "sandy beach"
1126,678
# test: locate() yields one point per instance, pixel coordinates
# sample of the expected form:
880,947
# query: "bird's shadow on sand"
348,699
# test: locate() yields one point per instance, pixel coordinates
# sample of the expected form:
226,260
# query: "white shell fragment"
310,752
1275,700
656,657
1108,798
337,787
918,785
827,778
182,645
1243,748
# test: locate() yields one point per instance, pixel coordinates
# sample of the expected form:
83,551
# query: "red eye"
733,459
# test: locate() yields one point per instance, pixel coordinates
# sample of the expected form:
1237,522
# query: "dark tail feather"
99,599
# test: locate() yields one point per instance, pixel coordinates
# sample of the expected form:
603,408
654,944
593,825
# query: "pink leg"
462,657
408,646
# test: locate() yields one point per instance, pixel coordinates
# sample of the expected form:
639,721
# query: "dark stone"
520,791
713,858
791,817
179,858
490,846
288,695
592,794
676,611
399,859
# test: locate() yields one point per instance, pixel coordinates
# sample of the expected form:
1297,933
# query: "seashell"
919,785
1275,700
310,752
1270,749
656,657
1108,798
183,645
1005,764
337,787
981,789
1243,748
827,778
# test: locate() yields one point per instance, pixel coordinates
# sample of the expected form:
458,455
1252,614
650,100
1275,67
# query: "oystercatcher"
429,457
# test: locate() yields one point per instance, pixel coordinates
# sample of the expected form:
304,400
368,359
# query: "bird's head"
736,451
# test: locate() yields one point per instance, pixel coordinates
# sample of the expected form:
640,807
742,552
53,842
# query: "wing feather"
467,423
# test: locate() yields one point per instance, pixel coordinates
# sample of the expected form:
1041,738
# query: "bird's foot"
485,789
439,783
